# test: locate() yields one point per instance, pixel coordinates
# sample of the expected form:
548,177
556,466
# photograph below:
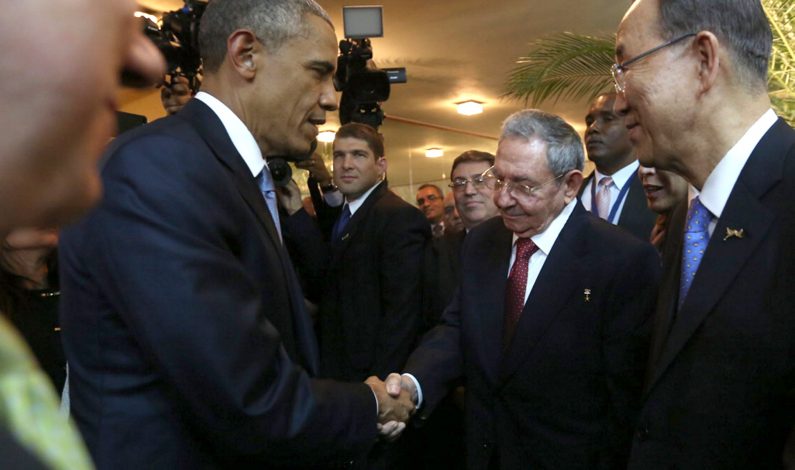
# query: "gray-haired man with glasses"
692,83
549,323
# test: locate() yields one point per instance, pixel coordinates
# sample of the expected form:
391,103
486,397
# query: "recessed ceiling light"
326,136
434,152
469,107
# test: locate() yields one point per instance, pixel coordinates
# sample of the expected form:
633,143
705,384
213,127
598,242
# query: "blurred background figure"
664,192
452,221
176,94
430,200
29,295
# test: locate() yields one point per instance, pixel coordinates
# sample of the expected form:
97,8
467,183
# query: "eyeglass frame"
527,191
463,181
617,70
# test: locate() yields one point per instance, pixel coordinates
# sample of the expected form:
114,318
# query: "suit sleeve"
308,251
401,252
171,270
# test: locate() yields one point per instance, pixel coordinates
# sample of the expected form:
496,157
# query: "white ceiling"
452,50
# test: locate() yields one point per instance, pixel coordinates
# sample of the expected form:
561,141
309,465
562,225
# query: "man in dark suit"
693,89
370,312
183,320
474,202
613,191
549,324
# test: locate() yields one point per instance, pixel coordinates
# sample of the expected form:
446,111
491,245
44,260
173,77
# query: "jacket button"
486,446
642,432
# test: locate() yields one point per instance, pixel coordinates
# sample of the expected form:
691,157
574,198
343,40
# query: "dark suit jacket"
441,275
370,313
636,217
722,386
566,391
183,321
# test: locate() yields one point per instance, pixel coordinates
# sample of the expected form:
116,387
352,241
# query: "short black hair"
472,156
363,132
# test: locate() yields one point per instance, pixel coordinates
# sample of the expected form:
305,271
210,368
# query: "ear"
707,49
241,48
572,182
381,164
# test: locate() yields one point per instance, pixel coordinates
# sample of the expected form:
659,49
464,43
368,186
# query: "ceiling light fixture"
469,107
434,152
326,137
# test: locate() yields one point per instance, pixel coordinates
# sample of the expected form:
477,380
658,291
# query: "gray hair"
564,147
273,21
739,24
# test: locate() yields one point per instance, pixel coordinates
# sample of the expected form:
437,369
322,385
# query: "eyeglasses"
618,69
460,183
516,190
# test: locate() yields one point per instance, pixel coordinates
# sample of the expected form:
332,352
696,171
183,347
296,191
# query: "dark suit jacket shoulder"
441,275
183,321
566,390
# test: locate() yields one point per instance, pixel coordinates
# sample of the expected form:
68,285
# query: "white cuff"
419,389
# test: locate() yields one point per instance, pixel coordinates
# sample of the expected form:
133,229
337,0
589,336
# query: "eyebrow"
324,65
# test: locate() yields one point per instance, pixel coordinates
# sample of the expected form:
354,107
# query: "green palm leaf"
566,65
573,66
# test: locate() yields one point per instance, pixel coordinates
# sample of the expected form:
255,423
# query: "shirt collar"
546,239
721,181
620,177
241,137
354,205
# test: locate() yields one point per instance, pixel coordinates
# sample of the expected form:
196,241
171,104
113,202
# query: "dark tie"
696,239
341,222
265,183
515,289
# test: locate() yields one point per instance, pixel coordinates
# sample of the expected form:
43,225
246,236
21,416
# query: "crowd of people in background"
193,313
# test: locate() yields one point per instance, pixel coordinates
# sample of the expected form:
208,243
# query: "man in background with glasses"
692,84
549,323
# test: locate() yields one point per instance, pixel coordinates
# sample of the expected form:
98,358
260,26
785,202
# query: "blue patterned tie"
265,183
339,226
696,239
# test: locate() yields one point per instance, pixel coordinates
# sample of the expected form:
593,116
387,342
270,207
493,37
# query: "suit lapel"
551,292
353,226
212,131
635,202
725,257
214,134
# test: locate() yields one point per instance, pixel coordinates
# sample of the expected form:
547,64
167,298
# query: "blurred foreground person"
665,192
52,130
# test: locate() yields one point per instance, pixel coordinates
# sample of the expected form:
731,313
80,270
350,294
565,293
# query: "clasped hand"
397,399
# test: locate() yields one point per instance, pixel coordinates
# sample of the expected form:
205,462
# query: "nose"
469,188
328,96
142,59
502,199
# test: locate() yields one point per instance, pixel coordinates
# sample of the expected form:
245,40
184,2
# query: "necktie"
29,408
602,197
696,239
341,222
265,183
516,287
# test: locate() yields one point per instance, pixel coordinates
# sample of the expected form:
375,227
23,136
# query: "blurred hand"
391,430
317,169
290,197
175,95
398,407
658,231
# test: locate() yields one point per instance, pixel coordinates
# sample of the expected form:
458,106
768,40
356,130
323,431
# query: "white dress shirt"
720,183
620,178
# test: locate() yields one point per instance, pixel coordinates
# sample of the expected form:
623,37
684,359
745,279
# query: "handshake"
397,401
